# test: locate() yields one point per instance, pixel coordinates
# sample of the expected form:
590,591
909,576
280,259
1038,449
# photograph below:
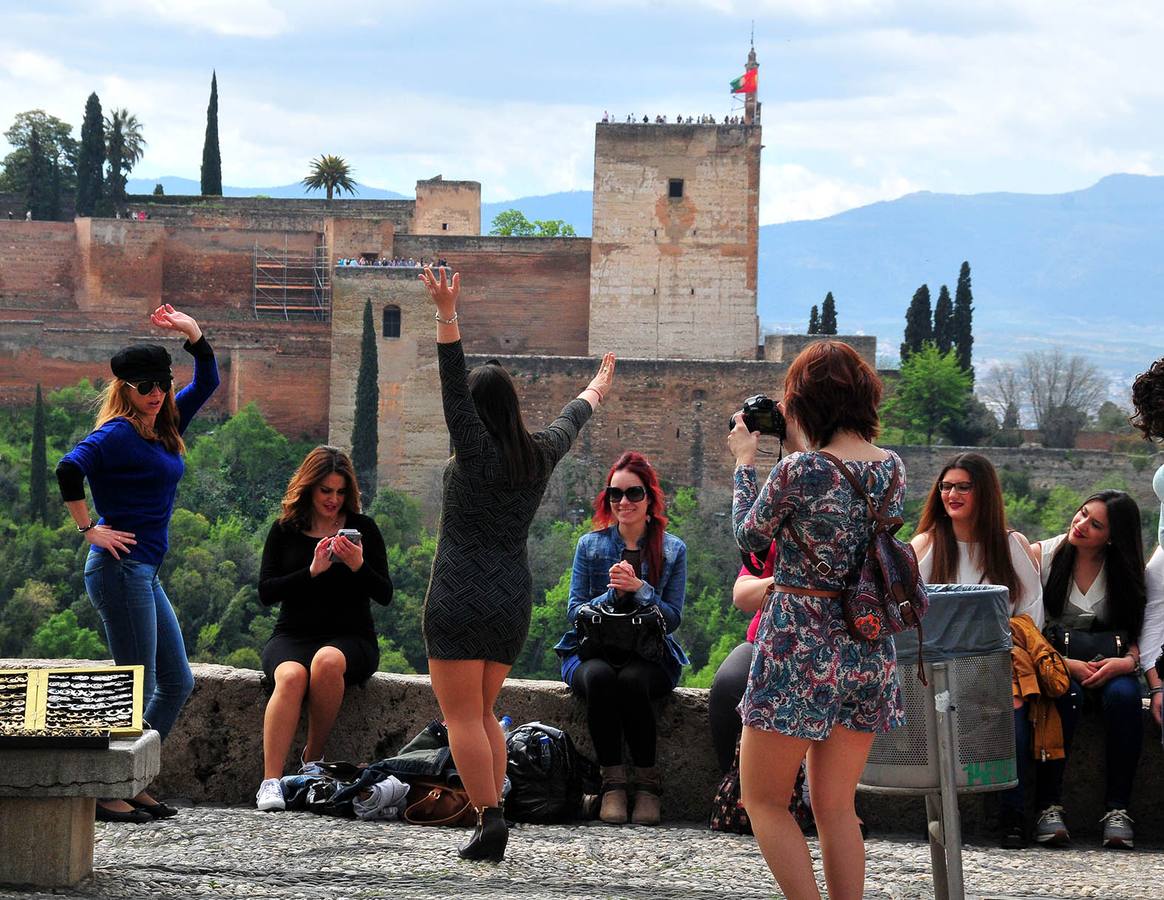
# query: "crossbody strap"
877,513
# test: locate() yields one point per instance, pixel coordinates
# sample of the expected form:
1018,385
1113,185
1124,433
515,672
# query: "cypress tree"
211,158
365,438
944,321
963,320
91,159
828,315
814,321
37,482
918,322
39,180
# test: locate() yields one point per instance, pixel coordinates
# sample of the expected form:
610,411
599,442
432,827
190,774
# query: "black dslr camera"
761,414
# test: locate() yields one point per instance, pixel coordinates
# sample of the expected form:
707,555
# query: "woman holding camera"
478,606
323,563
1093,592
628,562
813,690
133,461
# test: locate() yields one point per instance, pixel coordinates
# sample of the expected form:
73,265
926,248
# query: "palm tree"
125,147
332,173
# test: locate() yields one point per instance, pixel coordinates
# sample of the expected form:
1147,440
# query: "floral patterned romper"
808,674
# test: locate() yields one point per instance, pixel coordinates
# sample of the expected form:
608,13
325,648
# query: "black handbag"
1087,645
617,636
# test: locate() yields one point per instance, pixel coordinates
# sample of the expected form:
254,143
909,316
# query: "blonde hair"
316,466
115,404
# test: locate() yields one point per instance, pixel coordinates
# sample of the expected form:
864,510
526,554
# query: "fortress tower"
674,247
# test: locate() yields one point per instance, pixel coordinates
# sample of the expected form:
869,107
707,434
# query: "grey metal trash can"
967,630
959,730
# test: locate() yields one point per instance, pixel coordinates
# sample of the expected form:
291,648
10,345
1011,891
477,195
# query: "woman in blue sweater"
133,461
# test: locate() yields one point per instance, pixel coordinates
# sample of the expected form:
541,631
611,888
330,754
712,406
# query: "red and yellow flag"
746,83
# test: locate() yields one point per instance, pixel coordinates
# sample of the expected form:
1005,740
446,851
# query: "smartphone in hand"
351,534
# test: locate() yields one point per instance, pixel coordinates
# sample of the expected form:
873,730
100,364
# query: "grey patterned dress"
478,602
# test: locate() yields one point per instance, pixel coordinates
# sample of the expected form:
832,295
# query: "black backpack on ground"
547,775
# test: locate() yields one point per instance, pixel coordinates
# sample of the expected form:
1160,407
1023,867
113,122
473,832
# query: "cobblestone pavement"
216,852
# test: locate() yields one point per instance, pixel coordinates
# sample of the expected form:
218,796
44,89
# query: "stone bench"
47,800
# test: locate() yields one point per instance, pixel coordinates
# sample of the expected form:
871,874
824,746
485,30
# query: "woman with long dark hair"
1148,401
478,606
814,690
324,579
628,561
962,536
133,463
1093,582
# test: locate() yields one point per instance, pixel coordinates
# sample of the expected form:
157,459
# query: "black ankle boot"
489,837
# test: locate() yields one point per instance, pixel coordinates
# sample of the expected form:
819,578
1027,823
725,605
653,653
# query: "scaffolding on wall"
292,285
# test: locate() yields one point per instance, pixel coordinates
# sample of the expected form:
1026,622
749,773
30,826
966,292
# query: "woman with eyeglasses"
1093,586
478,606
629,561
133,462
962,538
323,563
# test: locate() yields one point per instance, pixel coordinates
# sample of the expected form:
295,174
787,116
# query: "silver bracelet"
1153,691
451,321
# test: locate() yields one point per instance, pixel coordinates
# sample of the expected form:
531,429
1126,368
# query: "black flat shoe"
158,810
489,837
133,816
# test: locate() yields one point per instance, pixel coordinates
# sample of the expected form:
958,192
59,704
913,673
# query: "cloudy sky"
864,100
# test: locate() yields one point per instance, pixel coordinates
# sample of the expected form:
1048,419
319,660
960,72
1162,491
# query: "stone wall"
675,277
38,264
1080,470
447,207
786,347
214,754
268,214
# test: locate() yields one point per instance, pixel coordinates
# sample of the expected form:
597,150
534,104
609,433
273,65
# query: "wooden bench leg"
46,841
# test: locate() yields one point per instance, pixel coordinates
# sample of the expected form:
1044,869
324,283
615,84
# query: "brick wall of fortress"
269,214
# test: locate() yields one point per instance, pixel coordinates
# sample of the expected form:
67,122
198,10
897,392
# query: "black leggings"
618,704
727,689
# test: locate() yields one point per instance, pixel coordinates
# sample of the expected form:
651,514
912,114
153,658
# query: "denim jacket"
596,553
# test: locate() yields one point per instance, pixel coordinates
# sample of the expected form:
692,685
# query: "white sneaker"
270,796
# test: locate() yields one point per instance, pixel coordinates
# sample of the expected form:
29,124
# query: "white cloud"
789,192
234,18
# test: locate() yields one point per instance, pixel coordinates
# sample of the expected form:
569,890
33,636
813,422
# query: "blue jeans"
142,630
1123,727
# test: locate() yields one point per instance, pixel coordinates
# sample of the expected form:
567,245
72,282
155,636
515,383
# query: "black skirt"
362,655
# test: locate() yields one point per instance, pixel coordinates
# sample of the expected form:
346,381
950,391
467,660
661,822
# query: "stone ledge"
123,770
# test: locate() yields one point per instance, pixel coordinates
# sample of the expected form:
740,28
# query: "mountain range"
1083,270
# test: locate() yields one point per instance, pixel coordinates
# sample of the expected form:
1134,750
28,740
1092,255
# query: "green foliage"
211,177
365,421
330,173
975,427
399,518
28,608
828,315
553,228
159,191
931,392
814,320
38,465
512,223
919,327
1056,511
58,148
244,658
1111,417
91,159
963,321
391,659
40,193
62,638
944,321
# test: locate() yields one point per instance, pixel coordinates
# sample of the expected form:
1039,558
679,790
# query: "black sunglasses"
634,494
146,387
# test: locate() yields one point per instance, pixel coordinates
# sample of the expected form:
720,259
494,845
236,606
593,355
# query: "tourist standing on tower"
477,610
133,460
814,690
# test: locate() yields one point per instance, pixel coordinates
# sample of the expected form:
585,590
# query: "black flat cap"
141,362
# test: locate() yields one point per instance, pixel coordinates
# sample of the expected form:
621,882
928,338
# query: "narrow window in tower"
391,321
444,226
675,188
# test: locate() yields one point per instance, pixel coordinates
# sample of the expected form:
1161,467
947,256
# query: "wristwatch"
81,529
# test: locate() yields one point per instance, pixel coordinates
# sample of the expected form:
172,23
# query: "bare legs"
834,767
467,690
768,766
326,680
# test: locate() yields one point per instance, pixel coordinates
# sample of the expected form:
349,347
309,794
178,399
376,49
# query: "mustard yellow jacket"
1038,675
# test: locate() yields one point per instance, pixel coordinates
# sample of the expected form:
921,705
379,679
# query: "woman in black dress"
324,581
477,611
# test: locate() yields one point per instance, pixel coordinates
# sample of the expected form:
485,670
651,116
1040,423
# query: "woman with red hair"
628,561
